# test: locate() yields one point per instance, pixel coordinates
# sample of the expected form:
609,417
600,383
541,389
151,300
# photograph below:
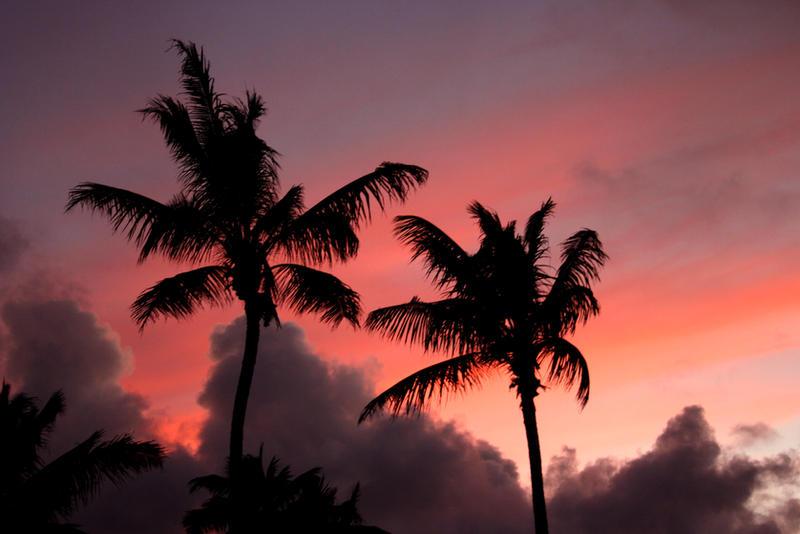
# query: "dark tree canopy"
40,497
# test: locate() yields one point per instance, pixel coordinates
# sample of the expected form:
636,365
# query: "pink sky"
670,129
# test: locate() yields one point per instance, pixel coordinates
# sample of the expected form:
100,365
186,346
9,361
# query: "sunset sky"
670,127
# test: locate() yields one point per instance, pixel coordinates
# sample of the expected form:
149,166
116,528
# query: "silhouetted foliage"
229,217
38,497
503,309
272,500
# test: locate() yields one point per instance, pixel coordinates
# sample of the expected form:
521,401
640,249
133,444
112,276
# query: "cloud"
54,344
417,475
684,484
13,244
747,435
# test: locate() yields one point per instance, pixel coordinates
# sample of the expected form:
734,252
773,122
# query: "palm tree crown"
36,496
501,309
245,239
274,501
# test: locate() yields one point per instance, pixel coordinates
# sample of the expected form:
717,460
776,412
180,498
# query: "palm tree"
500,310
274,501
36,496
229,220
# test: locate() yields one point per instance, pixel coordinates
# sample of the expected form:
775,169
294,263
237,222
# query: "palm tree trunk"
253,320
243,387
535,457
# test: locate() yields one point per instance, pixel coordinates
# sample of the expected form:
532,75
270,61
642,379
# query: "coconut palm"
38,497
229,220
272,500
501,309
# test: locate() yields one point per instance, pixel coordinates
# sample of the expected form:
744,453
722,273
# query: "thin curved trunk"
243,386
535,457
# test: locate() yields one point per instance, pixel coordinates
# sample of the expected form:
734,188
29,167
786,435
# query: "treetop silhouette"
246,239
39,497
272,500
501,308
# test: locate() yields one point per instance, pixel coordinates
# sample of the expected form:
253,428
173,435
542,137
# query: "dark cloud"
417,475
54,344
12,244
684,484
747,435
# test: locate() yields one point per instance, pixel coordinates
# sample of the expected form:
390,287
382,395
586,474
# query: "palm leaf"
570,299
567,366
534,231
128,212
318,237
183,233
388,182
445,260
582,256
488,221
178,131
305,289
412,393
198,86
180,295
75,477
449,325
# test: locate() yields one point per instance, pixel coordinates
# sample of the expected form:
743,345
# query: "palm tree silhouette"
274,501
254,244
500,310
36,496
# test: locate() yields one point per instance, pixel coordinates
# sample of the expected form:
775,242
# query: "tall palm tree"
501,309
36,496
274,501
250,242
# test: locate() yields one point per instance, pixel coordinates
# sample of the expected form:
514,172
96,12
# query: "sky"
670,127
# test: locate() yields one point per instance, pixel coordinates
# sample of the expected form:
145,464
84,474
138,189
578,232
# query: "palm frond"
75,477
582,256
567,307
488,221
246,113
570,299
180,295
449,325
46,417
214,484
184,232
305,290
213,516
388,182
128,212
445,260
198,86
178,131
567,366
534,231
411,394
319,238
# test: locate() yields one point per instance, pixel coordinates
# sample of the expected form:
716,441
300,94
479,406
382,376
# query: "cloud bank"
685,484
417,475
